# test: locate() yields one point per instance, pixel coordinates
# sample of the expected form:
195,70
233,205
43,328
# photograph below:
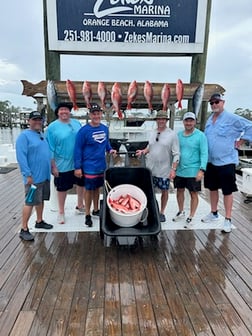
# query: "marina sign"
127,27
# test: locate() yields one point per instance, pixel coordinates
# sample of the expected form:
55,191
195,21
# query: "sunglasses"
215,102
157,137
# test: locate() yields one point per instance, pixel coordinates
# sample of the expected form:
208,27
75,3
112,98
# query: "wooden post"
52,61
198,68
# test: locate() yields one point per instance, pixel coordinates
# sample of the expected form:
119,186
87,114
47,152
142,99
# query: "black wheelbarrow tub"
142,178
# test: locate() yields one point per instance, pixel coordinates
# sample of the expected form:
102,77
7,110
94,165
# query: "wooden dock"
185,283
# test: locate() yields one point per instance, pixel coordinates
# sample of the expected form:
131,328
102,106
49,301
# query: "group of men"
76,155
191,155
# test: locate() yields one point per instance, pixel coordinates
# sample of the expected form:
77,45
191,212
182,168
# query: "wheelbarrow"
140,177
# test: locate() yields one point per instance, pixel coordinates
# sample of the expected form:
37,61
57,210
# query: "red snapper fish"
132,93
148,94
71,93
116,98
125,204
102,93
179,92
165,96
87,93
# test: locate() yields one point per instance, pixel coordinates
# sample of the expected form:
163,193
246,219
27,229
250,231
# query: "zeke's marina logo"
138,7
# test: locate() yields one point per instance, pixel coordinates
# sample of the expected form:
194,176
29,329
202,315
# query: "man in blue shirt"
34,159
191,167
222,131
92,143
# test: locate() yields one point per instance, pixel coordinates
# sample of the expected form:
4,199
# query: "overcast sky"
229,60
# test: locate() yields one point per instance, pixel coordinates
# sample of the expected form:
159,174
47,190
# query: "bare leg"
164,200
194,202
96,194
228,203
39,210
180,198
61,201
26,214
214,199
80,196
88,200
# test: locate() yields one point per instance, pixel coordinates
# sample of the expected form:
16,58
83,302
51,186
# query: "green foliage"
7,107
246,113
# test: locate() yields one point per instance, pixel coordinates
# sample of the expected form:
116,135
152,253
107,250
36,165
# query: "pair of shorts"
66,180
42,193
189,183
221,177
93,182
161,183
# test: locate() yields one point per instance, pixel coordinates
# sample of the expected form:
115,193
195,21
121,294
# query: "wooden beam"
30,89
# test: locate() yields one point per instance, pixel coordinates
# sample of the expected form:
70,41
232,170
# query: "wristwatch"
203,170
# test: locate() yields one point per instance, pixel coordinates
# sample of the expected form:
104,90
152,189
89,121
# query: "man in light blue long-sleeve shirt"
222,130
34,159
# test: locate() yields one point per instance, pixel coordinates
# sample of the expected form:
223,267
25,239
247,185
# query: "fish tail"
120,115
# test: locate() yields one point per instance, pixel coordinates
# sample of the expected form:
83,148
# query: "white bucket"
127,219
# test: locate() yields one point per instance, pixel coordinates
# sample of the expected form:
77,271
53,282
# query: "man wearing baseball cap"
222,131
34,159
191,167
92,142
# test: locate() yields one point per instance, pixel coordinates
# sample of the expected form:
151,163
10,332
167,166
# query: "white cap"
190,115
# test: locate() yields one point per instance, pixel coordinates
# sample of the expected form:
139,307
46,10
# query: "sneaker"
61,219
188,222
180,215
162,218
209,218
88,221
226,226
79,211
26,235
43,225
96,213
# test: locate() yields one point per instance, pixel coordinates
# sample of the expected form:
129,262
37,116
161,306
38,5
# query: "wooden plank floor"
186,283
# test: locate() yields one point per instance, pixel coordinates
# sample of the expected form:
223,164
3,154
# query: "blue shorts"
93,182
65,181
161,183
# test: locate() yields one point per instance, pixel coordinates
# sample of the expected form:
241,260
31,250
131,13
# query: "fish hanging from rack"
165,96
87,93
132,94
179,92
116,98
72,93
197,99
102,93
148,94
51,93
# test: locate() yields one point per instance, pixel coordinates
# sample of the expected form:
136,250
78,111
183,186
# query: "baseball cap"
216,96
35,115
161,115
94,108
189,115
